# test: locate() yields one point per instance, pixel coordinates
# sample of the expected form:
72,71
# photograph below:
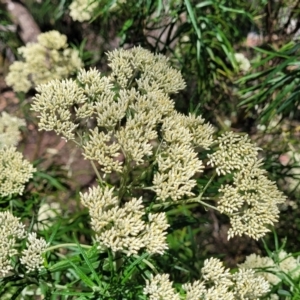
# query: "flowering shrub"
136,126
147,158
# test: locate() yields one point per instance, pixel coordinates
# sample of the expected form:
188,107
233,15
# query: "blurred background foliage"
201,39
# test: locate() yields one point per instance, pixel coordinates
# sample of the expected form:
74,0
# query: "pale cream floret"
48,59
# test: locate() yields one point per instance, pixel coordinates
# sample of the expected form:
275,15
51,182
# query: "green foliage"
275,89
200,39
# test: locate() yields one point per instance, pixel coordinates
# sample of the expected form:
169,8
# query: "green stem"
192,200
96,171
207,184
207,205
67,245
124,179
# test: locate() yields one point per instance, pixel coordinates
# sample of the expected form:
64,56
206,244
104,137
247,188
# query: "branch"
28,28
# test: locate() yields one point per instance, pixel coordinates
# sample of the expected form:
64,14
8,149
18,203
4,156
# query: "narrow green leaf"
131,268
89,264
53,181
82,275
193,19
70,293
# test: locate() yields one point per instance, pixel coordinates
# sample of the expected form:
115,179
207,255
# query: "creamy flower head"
247,285
176,167
14,172
289,264
122,228
273,268
160,287
9,130
130,114
234,153
129,107
53,40
200,131
82,10
46,215
265,267
243,62
11,230
216,283
251,202
104,150
177,160
54,102
150,71
32,256
49,58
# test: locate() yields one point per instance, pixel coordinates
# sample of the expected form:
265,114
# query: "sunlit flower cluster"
251,202
54,107
82,10
11,229
126,121
11,232
160,287
128,117
151,72
273,268
243,62
122,228
85,10
15,171
217,283
49,58
234,152
177,162
32,256
9,130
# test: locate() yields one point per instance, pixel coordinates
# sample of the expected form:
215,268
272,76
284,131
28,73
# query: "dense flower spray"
12,231
126,122
15,171
9,130
216,283
49,58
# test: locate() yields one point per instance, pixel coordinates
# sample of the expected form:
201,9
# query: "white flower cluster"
153,71
160,287
14,172
85,10
272,268
251,202
135,119
32,257
12,230
9,130
49,58
177,161
217,283
46,214
58,98
243,62
82,10
234,152
126,121
123,228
